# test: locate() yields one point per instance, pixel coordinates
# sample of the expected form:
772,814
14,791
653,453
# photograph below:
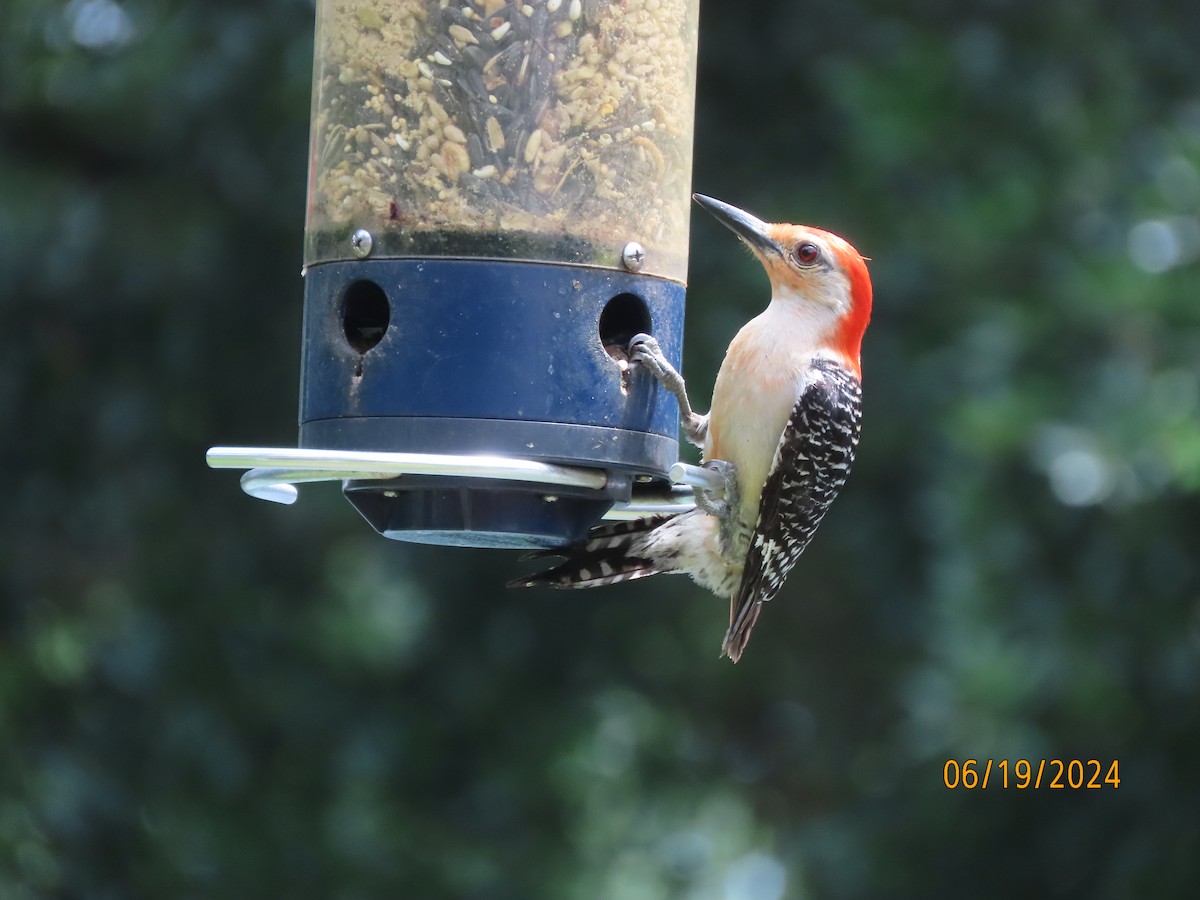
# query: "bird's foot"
707,500
644,351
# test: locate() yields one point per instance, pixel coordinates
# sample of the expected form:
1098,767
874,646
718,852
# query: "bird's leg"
731,531
644,350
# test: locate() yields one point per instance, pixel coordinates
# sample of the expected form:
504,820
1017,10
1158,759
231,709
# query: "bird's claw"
728,500
644,350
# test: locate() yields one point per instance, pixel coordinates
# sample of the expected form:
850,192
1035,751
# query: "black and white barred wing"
810,466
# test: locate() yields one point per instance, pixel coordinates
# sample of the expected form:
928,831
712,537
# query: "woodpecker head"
816,272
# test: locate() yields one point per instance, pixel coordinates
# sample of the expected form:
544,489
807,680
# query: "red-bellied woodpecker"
782,429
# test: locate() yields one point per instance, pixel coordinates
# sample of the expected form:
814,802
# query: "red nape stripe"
848,339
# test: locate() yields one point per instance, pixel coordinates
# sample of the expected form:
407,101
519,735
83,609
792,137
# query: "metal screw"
361,242
633,256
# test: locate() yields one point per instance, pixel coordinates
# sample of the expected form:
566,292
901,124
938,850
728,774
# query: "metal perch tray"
273,473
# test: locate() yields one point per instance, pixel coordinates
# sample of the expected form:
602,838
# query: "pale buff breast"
757,387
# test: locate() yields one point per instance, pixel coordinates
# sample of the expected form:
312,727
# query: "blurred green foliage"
201,695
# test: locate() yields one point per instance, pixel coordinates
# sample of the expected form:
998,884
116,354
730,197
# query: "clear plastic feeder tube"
549,130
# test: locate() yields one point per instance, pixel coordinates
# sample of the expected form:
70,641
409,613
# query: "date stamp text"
1036,774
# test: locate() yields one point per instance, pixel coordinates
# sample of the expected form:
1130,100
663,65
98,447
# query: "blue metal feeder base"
522,360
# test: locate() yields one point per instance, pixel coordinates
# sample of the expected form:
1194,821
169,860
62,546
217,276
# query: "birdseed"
547,130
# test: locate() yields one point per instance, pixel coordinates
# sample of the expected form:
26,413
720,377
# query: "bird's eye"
807,253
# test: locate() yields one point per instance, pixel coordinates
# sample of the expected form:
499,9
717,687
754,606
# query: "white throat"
802,323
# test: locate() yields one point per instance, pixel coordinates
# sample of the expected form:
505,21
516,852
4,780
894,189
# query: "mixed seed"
553,117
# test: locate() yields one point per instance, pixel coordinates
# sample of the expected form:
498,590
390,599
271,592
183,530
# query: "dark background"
202,695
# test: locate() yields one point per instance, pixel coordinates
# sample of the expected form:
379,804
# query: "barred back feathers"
808,471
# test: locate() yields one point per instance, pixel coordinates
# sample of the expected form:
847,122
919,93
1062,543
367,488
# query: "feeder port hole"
366,315
624,316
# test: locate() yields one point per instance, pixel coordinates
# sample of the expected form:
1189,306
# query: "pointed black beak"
751,230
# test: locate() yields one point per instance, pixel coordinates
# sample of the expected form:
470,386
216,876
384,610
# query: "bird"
782,432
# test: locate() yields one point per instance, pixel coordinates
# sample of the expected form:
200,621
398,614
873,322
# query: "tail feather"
740,625
609,555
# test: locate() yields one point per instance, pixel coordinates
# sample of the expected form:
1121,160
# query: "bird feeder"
498,200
